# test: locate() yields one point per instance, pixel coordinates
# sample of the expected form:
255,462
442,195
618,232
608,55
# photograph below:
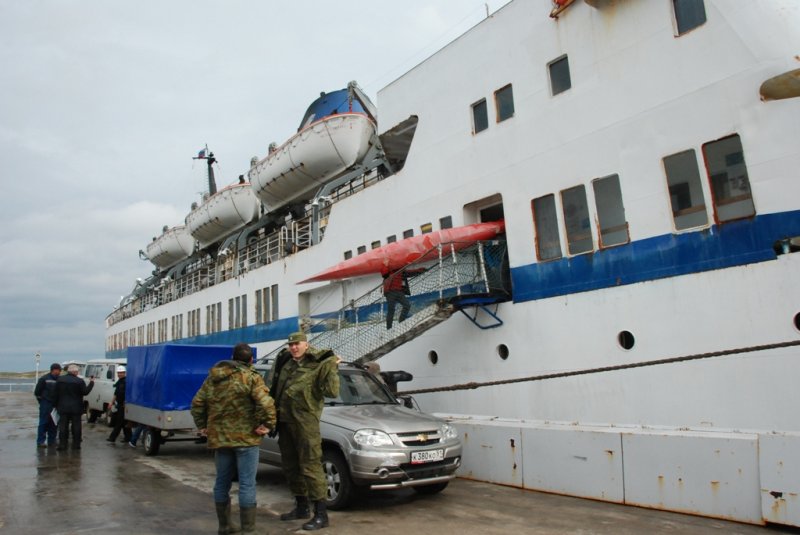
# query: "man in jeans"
234,410
45,393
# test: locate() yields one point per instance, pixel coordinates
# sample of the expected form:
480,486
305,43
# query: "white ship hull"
311,158
687,338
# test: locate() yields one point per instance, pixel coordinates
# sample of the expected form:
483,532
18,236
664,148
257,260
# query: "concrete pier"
112,488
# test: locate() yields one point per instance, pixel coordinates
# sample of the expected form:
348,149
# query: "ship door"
483,211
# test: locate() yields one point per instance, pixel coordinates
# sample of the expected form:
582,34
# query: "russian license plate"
418,457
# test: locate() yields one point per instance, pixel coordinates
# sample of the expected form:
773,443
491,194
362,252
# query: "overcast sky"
103,104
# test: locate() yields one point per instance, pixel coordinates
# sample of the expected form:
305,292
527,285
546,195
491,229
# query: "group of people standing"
61,407
235,409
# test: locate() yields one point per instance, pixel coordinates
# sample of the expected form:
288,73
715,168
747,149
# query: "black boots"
300,510
320,519
248,518
224,517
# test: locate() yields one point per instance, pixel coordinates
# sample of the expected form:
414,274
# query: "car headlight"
448,432
372,437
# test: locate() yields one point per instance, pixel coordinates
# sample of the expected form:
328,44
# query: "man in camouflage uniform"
234,410
302,378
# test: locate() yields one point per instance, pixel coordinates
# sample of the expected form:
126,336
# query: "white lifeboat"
314,156
224,212
174,244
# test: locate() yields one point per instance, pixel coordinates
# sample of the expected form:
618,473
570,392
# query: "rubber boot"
224,517
248,518
300,510
320,519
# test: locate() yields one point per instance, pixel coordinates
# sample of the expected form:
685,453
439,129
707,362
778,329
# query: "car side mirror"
408,402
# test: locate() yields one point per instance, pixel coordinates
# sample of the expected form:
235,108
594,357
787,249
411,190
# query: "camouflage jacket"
232,402
301,387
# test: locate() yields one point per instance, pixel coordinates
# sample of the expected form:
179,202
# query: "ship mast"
210,161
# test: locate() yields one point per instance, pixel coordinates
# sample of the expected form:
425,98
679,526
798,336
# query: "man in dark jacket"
70,390
45,392
302,377
118,407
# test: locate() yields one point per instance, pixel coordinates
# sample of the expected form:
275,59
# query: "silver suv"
370,440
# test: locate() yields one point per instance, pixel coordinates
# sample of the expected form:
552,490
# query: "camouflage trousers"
301,454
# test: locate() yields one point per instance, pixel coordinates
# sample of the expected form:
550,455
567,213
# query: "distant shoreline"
18,375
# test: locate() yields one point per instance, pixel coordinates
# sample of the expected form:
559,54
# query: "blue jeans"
137,431
47,428
227,461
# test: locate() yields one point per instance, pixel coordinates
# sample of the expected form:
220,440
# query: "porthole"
626,339
502,351
797,321
433,357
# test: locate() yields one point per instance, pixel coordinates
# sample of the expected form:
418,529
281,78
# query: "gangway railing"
448,278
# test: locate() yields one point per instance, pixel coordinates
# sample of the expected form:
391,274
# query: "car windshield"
357,387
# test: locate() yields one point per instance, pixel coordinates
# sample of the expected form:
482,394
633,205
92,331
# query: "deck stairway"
471,280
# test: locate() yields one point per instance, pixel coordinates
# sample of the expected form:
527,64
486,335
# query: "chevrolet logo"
422,437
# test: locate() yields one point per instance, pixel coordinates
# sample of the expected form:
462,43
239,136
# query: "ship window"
231,314
408,233
504,103
274,296
685,190
480,117
391,239
560,79
348,255
730,185
376,244
426,228
446,222
545,220
689,14
262,305
244,311
576,219
610,211
362,249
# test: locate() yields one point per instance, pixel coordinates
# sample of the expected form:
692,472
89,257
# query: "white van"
104,372
79,363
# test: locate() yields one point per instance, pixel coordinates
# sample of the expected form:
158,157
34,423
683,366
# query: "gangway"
472,278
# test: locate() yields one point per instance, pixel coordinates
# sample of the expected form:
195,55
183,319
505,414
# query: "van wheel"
151,441
337,476
431,489
93,415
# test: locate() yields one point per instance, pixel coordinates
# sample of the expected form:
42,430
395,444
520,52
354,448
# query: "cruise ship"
593,205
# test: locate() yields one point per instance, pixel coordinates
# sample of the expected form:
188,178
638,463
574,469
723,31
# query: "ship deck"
105,488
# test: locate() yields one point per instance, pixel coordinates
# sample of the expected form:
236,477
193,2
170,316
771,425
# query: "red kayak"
403,252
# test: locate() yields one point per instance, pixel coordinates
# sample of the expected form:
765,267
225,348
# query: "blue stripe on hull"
733,244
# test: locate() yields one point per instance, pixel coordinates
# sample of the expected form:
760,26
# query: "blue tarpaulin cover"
167,376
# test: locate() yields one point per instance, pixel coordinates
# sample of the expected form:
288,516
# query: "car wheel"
431,489
337,476
93,415
151,441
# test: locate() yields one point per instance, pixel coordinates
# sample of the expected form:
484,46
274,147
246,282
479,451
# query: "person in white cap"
118,408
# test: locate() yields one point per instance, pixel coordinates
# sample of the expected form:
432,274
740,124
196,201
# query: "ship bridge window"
730,185
391,239
376,244
685,190
408,233
348,255
361,249
504,103
426,228
576,220
610,211
689,14
545,220
560,79
480,116
446,222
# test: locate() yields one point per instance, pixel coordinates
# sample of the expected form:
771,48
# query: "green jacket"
232,402
301,388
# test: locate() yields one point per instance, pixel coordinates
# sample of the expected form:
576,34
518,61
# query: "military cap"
297,337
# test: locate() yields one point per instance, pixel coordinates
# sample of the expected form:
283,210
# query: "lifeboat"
333,136
226,211
174,244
